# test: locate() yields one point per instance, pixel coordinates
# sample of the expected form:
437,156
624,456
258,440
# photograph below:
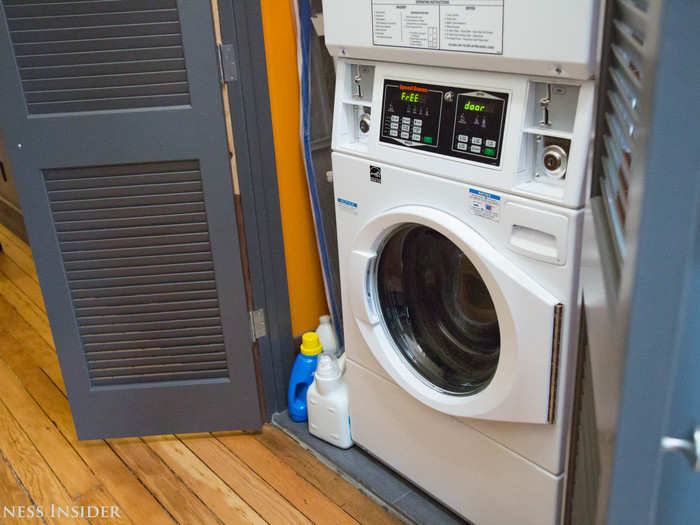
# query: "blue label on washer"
345,202
486,205
485,194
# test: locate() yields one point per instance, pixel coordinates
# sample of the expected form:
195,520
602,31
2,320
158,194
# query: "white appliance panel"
542,444
474,475
537,37
432,129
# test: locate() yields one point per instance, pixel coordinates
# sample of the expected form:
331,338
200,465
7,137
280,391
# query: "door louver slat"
143,300
154,325
159,377
25,8
142,284
181,352
623,81
162,342
80,275
118,319
194,358
164,307
98,55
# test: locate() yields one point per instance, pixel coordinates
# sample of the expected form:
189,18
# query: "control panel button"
467,124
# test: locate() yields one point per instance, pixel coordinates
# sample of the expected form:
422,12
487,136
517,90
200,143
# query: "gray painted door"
679,487
113,118
659,300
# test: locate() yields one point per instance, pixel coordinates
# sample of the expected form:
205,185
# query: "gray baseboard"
397,494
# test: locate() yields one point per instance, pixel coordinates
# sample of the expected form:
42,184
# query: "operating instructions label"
448,25
485,204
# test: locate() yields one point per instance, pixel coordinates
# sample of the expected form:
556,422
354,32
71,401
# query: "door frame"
249,103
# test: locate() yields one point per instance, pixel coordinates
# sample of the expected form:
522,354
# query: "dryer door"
455,323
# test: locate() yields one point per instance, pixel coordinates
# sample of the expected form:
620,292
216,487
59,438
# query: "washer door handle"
360,264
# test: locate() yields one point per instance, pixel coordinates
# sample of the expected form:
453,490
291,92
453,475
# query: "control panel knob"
365,120
449,96
555,160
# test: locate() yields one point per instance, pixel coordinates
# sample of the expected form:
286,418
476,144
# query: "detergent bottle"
329,413
302,376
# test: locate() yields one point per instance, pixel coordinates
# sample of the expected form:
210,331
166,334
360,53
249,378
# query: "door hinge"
228,70
257,324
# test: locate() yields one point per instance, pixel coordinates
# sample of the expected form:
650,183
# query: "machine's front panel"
453,121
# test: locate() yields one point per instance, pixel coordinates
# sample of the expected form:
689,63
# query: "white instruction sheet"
472,26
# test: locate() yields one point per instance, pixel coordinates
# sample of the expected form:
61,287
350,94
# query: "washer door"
437,310
451,320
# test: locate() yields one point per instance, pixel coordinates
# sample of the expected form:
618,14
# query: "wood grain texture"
18,251
304,496
33,351
58,453
35,474
131,495
349,498
23,281
31,313
219,497
175,496
247,484
13,495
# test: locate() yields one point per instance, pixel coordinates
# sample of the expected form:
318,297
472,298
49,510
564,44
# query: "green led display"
490,151
412,96
485,107
428,140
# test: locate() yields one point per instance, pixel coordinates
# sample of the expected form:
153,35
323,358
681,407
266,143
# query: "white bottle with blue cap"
327,402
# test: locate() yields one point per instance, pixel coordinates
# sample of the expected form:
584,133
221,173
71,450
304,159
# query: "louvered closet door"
112,112
623,80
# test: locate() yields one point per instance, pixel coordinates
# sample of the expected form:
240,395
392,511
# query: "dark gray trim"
241,25
655,282
389,488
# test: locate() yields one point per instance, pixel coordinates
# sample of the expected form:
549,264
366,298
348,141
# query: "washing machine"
459,196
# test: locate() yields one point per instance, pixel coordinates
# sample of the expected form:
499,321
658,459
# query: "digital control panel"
453,121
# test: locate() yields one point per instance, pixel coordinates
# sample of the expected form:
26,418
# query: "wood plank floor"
217,478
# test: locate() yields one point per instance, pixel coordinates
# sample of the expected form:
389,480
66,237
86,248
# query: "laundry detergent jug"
302,376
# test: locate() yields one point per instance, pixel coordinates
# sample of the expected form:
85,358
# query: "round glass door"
438,310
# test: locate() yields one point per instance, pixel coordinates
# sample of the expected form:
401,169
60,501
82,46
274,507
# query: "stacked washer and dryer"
460,143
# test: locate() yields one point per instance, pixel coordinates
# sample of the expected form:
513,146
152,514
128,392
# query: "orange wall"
306,295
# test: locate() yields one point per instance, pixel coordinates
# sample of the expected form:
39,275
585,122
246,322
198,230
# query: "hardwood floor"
188,479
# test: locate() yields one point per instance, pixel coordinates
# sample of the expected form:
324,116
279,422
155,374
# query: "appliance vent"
135,246
622,84
98,54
